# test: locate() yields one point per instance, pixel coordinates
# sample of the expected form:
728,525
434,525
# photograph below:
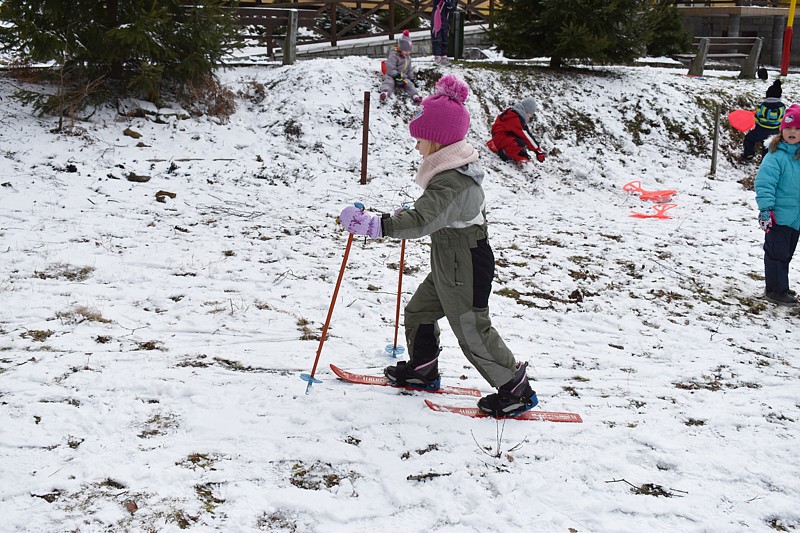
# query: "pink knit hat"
442,117
792,117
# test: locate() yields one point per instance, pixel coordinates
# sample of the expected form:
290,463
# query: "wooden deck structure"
703,18
270,17
739,18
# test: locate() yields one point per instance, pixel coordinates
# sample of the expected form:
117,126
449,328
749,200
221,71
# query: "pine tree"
587,30
669,35
136,45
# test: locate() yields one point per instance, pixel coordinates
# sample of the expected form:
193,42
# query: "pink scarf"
437,18
447,158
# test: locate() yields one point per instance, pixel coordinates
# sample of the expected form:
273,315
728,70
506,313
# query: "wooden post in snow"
715,149
290,43
365,140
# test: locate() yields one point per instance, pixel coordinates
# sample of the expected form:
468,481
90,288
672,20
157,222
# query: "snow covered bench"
747,49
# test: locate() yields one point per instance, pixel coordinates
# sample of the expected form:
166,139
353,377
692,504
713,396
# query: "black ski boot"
407,374
511,399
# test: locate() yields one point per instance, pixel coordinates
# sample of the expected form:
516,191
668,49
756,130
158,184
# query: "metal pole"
365,140
787,40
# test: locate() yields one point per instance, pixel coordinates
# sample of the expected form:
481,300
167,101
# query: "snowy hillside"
150,351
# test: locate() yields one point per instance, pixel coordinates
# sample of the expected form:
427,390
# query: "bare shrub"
81,313
209,97
64,272
254,91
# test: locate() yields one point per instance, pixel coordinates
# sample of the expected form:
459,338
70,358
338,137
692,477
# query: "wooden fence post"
290,43
391,20
458,32
715,147
334,30
365,140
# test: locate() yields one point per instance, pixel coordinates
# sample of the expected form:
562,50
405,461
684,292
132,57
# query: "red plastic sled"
383,67
649,196
742,119
661,212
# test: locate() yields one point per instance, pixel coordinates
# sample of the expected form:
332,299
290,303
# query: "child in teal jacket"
778,197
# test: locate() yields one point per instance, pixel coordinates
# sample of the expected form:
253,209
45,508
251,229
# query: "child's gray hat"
405,42
530,106
526,108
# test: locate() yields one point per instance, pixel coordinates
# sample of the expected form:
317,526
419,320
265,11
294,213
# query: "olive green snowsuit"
451,211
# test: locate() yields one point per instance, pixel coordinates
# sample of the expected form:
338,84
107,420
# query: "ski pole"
310,377
394,349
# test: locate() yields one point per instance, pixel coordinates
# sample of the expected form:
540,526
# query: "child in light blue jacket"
778,197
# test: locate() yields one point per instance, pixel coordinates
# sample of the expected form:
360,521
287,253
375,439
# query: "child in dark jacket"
768,118
400,71
440,29
451,210
511,137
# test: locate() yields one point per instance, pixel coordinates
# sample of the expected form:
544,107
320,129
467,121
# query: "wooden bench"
745,49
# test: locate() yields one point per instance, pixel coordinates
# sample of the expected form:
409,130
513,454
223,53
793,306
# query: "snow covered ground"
150,351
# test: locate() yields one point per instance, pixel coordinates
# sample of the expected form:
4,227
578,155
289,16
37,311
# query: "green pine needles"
610,31
130,47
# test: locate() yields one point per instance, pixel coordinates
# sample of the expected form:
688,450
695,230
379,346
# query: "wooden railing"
270,16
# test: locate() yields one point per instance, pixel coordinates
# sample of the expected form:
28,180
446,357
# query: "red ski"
474,412
382,381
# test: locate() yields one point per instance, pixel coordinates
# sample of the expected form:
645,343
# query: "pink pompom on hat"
791,119
405,42
442,117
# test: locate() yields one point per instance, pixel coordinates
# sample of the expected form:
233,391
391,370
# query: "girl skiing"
451,211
